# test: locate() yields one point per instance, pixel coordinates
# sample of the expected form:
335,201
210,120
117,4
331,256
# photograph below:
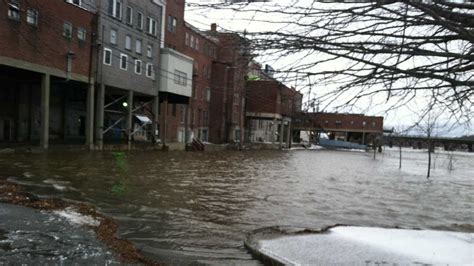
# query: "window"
140,20
138,46
129,15
364,123
115,8
180,78
172,22
123,61
138,67
113,36
205,115
187,39
149,71
32,17
67,30
107,57
149,51
373,124
183,113
151,26
236,99
128,42
338,122
192,41
197,44
81,34
76,2
14,10
208,94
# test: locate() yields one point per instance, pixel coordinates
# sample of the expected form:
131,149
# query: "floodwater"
184,207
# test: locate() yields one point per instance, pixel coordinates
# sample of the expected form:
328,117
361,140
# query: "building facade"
129,37
46,72
271,109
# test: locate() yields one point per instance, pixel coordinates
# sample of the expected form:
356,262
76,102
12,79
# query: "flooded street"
183,207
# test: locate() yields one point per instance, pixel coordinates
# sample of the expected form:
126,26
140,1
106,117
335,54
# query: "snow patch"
361,245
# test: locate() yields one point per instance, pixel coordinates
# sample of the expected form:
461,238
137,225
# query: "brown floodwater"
185,207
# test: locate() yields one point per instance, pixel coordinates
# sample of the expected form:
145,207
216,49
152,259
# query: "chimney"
213,27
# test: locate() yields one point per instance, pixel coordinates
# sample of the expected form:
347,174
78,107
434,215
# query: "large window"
180,77
129,15
138,46
123,61
81,34
113,36
151,26
150,72
187,39
140,20
115,8
149,51
128,42
32,17
107,57
14,10
172,22
67,30
138,67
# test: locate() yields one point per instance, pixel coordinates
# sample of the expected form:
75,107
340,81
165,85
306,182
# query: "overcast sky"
251,22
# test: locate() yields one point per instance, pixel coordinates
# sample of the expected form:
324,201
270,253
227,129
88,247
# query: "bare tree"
394,50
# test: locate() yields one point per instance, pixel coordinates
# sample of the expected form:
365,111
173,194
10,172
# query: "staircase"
197,145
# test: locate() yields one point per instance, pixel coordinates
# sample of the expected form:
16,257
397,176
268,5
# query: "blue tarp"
341,144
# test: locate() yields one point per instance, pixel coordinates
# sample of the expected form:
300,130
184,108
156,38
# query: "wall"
112,75
43,48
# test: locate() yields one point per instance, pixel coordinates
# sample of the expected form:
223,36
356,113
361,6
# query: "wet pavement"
184,207
29,236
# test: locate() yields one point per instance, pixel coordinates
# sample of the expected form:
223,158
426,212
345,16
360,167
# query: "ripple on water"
179,207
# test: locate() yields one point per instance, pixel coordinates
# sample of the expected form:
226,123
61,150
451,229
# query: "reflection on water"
185,207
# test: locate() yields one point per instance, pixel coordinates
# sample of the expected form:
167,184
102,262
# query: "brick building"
174,109
271,108
228,77
46,72
355,128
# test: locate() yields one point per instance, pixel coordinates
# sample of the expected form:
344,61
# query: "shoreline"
105,232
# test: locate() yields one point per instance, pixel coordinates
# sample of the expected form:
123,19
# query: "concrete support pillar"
288,135
282,132
130,118
165,122
363,138
273,131
99,120
156,120
186,129
45,96
90,116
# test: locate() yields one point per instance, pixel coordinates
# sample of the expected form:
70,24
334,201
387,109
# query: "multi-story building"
270,110
356,128
129,38
203,50
46,71
176,74
228,78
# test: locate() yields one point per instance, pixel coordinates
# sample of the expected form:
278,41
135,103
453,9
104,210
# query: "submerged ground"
181,207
